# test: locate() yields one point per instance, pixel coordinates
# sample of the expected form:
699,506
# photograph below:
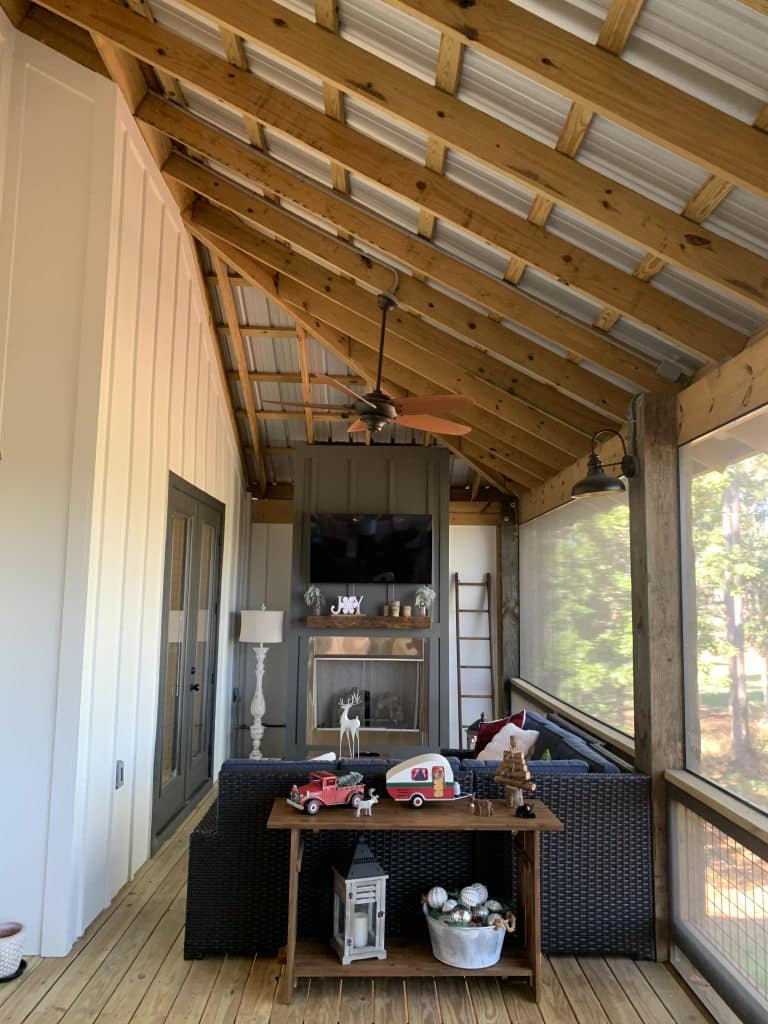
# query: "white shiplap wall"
107,382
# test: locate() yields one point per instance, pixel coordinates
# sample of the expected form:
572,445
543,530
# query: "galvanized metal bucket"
465,947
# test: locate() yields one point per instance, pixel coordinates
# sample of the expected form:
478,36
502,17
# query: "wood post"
654,505
509,600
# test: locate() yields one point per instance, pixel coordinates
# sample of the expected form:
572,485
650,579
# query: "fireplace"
390,674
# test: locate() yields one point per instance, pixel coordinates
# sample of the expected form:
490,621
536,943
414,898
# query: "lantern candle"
360,930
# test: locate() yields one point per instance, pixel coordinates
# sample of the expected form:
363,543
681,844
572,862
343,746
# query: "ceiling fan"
377,409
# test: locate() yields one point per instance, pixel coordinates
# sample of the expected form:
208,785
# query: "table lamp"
259,628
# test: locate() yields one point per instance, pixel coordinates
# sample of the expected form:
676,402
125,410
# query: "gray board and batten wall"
362,479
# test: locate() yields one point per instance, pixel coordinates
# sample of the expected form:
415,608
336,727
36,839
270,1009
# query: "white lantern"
359,901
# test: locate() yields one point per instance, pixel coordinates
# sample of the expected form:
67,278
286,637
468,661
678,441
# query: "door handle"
194,686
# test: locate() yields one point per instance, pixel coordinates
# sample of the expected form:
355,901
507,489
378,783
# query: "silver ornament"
448,906
460,915
493,905
495,919
480,913
483,891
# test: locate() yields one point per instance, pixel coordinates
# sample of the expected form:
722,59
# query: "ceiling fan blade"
435,403
323,378
357,425
432,424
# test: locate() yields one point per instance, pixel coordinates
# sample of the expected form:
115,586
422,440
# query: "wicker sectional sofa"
596,878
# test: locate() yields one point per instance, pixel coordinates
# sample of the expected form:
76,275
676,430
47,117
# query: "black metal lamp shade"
597,481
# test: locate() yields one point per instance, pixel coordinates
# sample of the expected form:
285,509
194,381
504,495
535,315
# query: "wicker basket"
469,948
11,946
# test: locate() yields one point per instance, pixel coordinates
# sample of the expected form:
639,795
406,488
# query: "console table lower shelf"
521,956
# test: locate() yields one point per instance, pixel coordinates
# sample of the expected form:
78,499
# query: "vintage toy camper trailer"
420,778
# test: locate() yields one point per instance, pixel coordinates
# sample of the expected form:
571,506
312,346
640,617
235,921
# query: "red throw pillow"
488,730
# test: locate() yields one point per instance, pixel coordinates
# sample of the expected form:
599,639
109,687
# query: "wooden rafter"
235,51
614,33
446,199
327,17
238,347
62,36
447,74
168,83
491,383
306,394
424,259
465,128
412,294
617,90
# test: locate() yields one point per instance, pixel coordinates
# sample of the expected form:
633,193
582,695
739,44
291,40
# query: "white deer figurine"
349,727
366,806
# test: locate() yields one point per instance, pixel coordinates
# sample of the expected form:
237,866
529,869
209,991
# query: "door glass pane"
174,658
205,597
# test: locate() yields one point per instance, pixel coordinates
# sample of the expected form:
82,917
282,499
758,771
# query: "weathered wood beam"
617,90
496,387
411,294
654,529
423,258
228,305
579,269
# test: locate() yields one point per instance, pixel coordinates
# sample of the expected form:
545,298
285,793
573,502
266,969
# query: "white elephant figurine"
346,605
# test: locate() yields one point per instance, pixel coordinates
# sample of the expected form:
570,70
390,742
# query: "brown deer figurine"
482,808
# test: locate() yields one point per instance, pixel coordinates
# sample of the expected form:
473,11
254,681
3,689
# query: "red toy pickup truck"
325,789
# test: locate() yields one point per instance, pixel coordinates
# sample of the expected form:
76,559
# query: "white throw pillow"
330,756
526,741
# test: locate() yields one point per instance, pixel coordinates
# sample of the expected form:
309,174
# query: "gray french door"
184,745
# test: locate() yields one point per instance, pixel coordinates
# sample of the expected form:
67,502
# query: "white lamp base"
258,706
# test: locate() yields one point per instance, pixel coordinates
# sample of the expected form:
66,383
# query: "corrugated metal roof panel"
233,176
639,164
390,131
713,49
511,97
293,80
306,8
215,113
589,236
390,33
297,157
384,202
488,183
742,217
709,300
480,254
580,17
552,293
657,349
192,26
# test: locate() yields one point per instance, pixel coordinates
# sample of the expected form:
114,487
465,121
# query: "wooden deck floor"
129,967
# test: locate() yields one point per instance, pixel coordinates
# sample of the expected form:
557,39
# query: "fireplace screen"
389,673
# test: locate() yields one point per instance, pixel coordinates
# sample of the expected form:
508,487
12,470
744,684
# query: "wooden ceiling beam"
411,294
491,383
619,91
344,347
577,268
327,17
506,303
466,129
228,305
16,10
618,24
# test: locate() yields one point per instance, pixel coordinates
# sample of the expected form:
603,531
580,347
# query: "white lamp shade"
261,627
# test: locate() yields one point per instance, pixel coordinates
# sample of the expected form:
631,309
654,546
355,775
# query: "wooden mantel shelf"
369,622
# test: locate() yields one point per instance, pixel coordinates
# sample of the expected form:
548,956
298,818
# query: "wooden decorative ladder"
471,691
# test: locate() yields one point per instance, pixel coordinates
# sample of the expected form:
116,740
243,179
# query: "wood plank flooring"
129,969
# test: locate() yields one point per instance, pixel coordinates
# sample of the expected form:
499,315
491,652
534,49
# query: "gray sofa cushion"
564,745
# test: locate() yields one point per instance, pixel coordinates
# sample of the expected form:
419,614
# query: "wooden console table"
520,959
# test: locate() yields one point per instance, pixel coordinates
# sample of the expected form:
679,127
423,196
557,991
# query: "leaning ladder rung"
477,611
463,584
474,638
476,666
478,696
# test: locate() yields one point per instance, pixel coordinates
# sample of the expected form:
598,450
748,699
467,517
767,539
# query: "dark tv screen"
363,548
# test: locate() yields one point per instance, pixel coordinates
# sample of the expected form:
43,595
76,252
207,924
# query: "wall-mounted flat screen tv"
375,548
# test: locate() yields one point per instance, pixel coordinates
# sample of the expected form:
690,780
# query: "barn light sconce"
597,480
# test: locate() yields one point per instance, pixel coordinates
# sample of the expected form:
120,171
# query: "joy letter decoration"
346,605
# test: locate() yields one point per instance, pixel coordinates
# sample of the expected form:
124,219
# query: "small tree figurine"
513,775
313,598
425,597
